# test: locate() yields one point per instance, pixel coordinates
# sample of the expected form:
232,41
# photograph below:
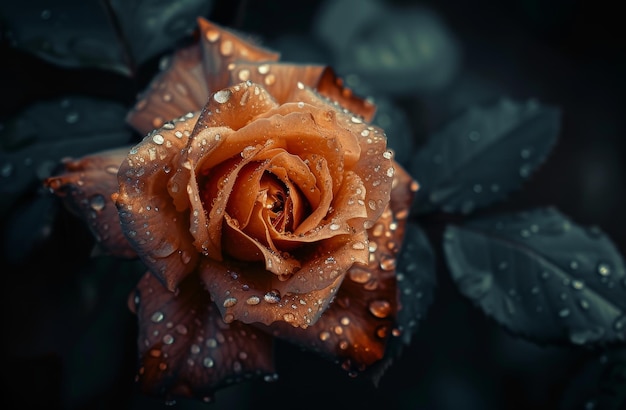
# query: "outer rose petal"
280,78
356,326
221,48
152,202
249,294
179,89
185,348
195,71
86,187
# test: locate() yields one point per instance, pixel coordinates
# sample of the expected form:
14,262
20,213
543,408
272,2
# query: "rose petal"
180,88
246,293
151,183
278,78
375,165
186,349
86,186
281,78
356,327
221,47
331,86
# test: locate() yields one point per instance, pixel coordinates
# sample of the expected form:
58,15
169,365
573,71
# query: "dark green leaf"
397,51
73,33
483,155
541,276
33,143
152,26
111,34
28,227
599,385
394,121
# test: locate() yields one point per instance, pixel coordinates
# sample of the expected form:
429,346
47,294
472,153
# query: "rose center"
274,197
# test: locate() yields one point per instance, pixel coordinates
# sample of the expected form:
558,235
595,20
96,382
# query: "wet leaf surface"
110,35
33,143
483,155
541,276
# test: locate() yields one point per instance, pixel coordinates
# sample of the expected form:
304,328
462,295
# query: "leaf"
397,51
153,26
599,385
82,33
394,121
483,155
28,227
34,142
541,276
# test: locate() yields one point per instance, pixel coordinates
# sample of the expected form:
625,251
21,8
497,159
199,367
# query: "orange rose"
262,188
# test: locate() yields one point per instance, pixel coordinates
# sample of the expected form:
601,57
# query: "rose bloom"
263,204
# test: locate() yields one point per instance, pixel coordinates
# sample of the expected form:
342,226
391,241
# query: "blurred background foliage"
68,75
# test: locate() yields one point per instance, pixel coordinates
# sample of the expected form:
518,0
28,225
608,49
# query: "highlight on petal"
221,48
356,327
180,88
247,293
280,79
86,186
186,349
153,204
375,164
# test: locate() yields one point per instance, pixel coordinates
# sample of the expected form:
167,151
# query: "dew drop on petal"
157,317
222,96
380,308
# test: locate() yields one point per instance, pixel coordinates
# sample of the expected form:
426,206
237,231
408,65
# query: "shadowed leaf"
541,276
483,155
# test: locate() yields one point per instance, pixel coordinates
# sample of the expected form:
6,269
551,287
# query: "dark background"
566,53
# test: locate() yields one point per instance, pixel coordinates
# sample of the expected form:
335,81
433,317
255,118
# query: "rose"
262,202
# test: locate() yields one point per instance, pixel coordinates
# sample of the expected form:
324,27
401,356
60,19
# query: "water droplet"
478,188
253,300
72,117
584,304
6,170
604,269
578,284
359,275
97,202
229,302
573,265
195,349
208,362
526,153
583,336
387,262
222,96
45,14
380,308
158,139
474,136
157,317
168,339
564,312
289,317
525,170
273,296
590,405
